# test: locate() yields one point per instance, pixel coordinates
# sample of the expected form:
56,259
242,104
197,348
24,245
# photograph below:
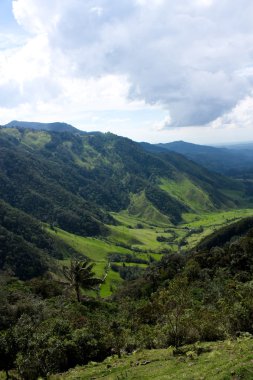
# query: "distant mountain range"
53,127
230,160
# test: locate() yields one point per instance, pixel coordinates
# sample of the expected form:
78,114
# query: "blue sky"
151,70
7,20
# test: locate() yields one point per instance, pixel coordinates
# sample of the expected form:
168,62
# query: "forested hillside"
26,249
74,180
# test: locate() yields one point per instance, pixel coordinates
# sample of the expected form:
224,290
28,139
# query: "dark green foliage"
128,273
26,249
235,256
43,337
19,257
8,351
21,224
119,257
48,190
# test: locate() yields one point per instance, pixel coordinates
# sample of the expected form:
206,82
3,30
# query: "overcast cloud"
192,58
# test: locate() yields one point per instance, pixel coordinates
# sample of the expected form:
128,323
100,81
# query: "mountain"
187,148
74,181
53,127
229,160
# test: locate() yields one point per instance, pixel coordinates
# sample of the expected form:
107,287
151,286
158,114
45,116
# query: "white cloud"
163,124
194,58
240,117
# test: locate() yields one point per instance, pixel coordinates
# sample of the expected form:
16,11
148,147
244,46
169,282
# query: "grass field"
229,360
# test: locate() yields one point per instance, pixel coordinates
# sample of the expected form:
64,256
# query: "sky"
150,70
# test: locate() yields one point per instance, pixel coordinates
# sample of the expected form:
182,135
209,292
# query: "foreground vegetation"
227,360
47,326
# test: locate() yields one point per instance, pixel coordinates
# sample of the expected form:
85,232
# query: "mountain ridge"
54,126
225,160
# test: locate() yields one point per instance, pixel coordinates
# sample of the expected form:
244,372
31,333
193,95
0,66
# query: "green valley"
123,261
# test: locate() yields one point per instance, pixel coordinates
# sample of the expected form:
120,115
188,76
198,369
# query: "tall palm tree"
80,275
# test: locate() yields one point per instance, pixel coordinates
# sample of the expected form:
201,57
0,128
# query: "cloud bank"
194,58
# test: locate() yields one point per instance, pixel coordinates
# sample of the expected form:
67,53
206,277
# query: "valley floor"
141,237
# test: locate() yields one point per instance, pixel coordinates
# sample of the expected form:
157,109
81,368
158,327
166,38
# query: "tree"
173,308
80,275
8,351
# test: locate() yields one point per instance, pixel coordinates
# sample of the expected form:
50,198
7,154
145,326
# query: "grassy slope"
229,360
140,207
186,191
